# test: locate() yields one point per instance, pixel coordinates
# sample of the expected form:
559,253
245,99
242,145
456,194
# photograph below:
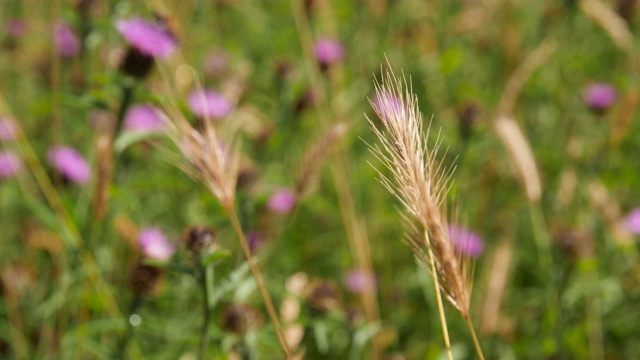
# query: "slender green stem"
436,285
206,277
476,343
259,281
543,243
136,301
127,97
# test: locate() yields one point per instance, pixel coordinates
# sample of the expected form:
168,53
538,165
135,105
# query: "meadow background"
556,277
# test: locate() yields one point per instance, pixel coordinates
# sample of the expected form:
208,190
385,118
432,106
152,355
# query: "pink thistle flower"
255,240
282,201
66,40
216,63
632,221
16,28
329,51
599,96
150,39
70,164
7,130
10,164
154,244
209,104
466,242
359,281
143,118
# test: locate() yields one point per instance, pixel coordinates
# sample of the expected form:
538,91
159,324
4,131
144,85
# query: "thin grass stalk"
255,270
356,233
476,343
436,285
594,317
205,282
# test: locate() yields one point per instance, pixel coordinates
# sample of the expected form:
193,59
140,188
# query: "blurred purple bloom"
216,63
7,130
143,118
10,164
466,242
154,244
599,96
150,39
67,42
255,239
209,104
632,221
282,201
359,281
69,163
329,51
16,28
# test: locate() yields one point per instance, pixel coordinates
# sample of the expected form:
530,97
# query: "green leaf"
128,138
215,256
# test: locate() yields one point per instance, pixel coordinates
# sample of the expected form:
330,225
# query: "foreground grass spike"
420,181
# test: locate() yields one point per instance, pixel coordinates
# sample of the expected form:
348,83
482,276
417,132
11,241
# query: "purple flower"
67,42
255,240
143,118
359,281
209,104
10,164
329,51
632,221
216,63
599,96
154,244
69,163
7,130
282,201
150,39
16,28
466,242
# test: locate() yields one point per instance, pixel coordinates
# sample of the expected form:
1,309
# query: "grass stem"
259,281
206,283
436,285
476,343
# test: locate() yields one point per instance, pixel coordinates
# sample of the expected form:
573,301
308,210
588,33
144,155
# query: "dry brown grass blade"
518,79
625,116
496,288
105,126
611,212
521,155
314,157
610,21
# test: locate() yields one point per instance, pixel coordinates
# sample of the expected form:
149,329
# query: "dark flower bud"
575,244
240,318
145,279
468,116
199,238
136,63
627,9
322,295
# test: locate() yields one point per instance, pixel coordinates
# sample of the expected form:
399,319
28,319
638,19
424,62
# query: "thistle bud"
198,239
145,279
240,318
575,244
322,295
